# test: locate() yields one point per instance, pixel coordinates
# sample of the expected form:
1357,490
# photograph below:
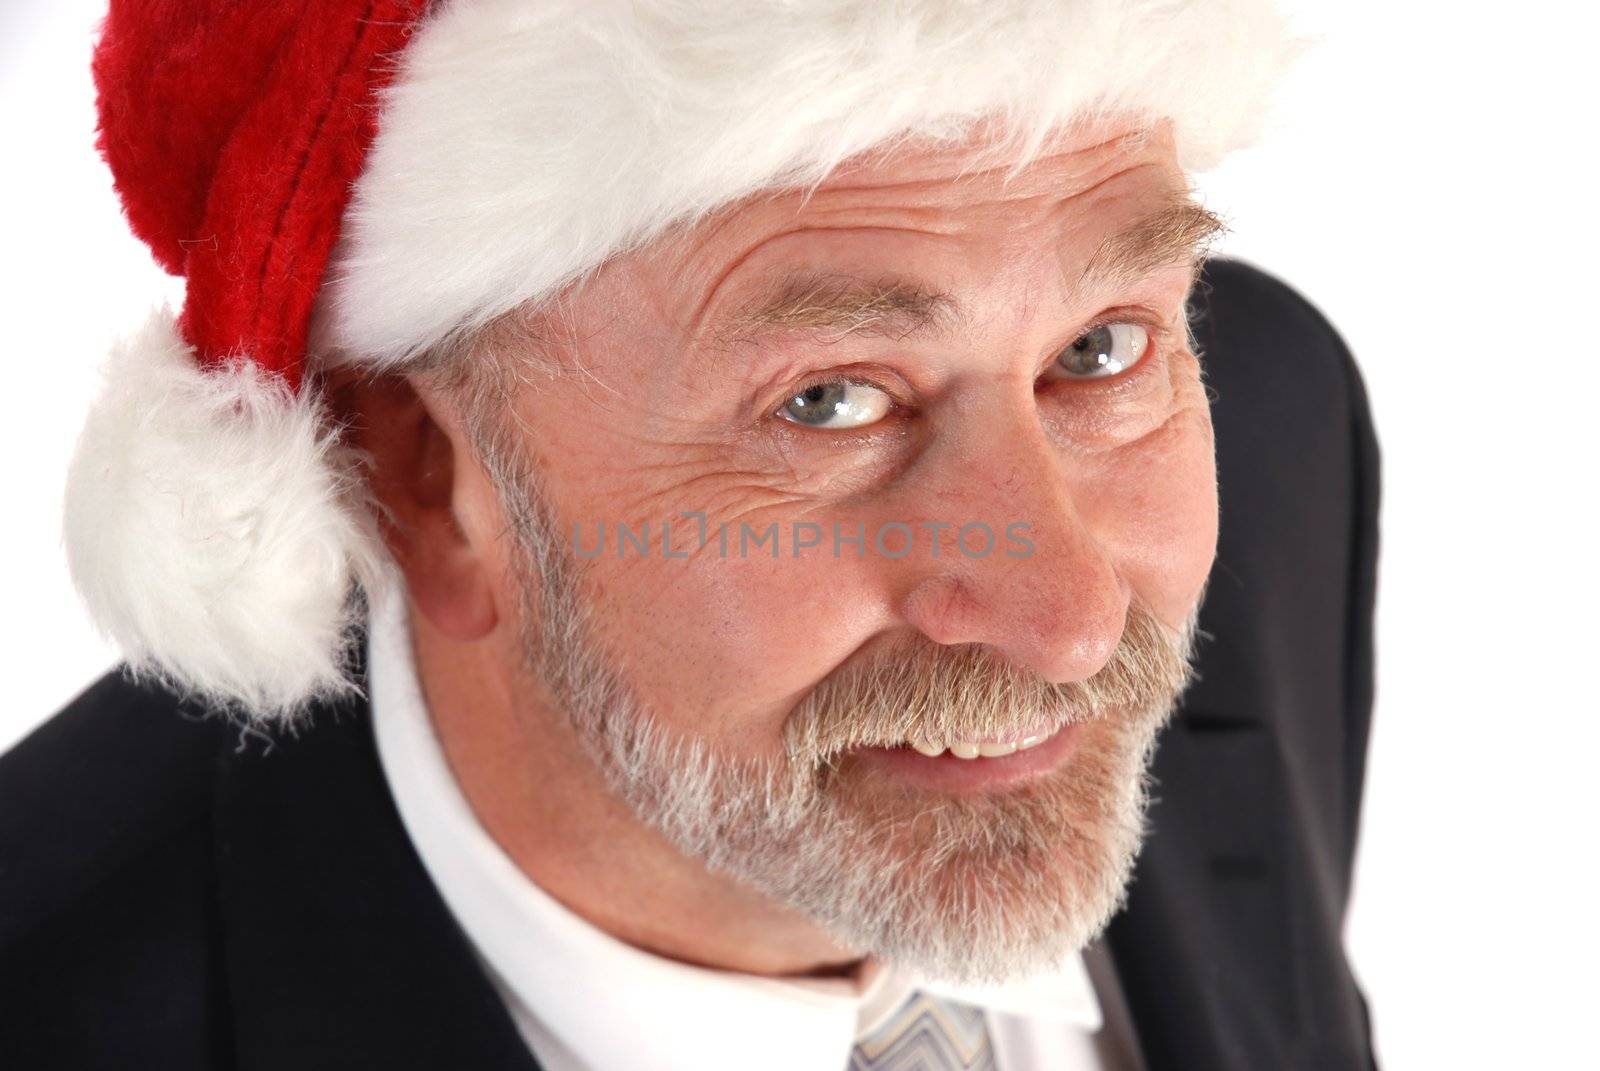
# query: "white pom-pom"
216,529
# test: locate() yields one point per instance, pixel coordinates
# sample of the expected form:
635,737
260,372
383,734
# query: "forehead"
910,209
974,175
930,217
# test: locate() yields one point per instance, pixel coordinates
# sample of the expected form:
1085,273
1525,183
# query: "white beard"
978,888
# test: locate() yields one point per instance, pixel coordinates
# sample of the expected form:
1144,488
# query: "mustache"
944,693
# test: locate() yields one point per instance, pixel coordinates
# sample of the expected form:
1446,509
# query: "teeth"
969,750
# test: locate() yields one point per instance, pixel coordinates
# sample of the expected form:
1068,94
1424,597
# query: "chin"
979,889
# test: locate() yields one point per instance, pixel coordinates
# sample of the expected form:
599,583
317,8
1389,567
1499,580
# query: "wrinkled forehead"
930,182
896,208
1077,155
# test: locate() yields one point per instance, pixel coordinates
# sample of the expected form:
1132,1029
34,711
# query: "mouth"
979,749
974,765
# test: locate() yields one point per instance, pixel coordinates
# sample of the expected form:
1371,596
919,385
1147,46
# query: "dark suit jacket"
177,894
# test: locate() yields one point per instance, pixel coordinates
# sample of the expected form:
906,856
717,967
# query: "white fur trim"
213,528
521,144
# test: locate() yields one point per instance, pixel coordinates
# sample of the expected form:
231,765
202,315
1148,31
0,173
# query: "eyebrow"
1180,232
837,305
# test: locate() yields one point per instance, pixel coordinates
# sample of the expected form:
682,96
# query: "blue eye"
836,405
1103,351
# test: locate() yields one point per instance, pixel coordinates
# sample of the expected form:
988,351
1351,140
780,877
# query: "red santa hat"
408,171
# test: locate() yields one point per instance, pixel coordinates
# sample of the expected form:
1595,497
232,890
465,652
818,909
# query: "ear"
423,479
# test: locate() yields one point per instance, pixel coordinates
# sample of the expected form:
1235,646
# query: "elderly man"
665,537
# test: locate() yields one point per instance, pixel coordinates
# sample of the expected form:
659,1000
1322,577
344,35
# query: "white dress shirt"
586,1001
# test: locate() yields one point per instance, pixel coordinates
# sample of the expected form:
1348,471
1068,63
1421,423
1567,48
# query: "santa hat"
409,171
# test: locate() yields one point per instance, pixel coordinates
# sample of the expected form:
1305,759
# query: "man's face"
903,354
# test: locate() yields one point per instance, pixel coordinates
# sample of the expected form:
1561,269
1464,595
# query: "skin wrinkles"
1120,417
1116,477
725,495
919,203
819,307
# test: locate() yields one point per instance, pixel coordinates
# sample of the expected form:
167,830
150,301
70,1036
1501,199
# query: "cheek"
717,644
723,646
1155,508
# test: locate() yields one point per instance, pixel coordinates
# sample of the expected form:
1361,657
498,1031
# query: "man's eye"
836,405
1103,351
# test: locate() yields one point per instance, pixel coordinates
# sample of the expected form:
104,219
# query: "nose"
1047,596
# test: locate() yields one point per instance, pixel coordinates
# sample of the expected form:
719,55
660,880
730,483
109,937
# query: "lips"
948,769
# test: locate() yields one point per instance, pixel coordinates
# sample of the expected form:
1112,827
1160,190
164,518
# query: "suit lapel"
1203,949
339,951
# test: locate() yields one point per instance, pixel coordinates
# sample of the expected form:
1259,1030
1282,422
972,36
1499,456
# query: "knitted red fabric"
234,131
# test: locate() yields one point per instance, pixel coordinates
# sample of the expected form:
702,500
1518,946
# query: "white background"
1428,182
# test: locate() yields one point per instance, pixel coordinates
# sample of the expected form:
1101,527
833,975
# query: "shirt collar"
608,1003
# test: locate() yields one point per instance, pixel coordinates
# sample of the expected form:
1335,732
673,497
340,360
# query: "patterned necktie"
927,1034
